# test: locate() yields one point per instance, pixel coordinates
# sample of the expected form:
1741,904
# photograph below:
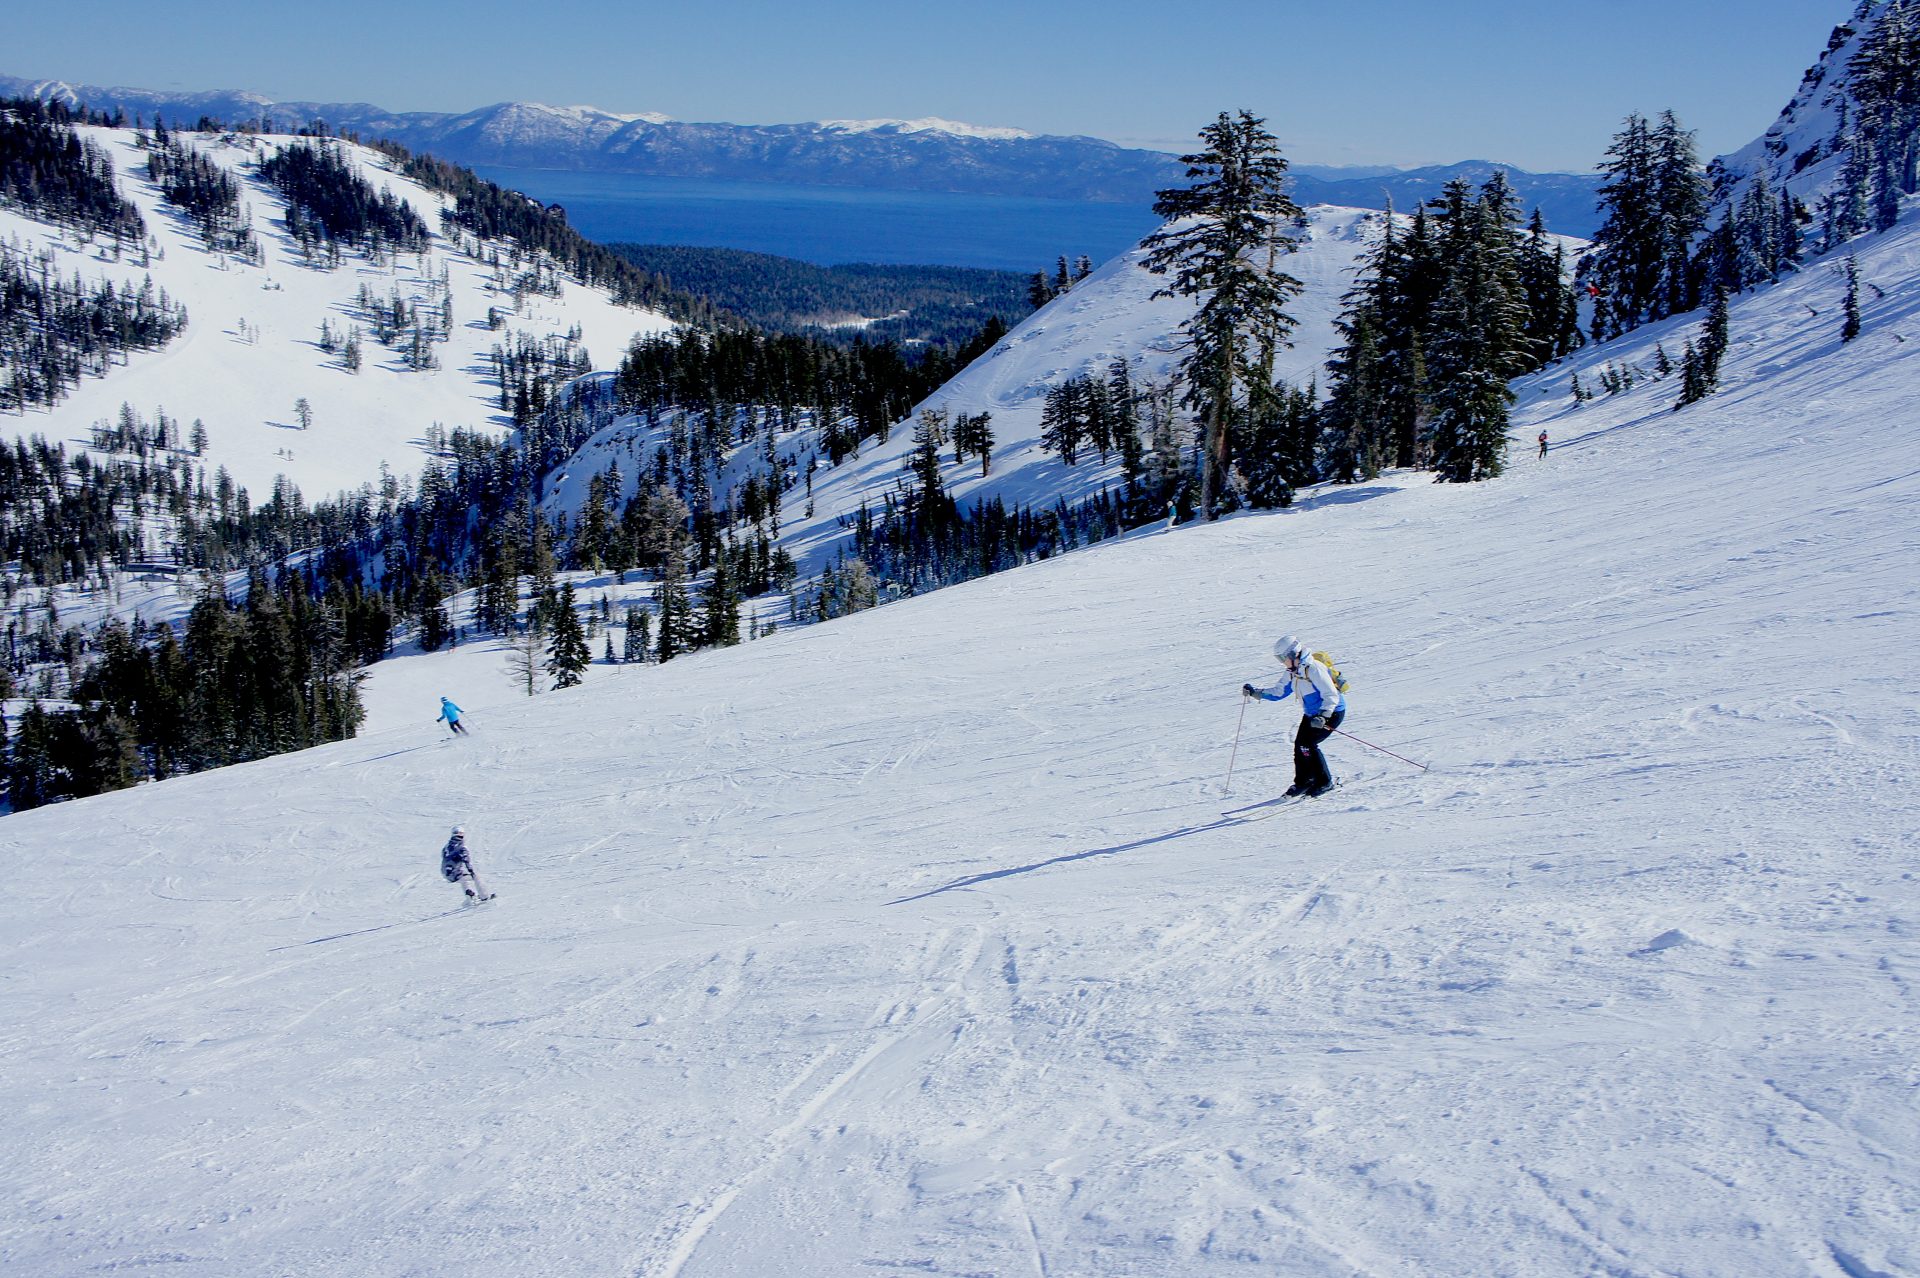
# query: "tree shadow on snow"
988,876
1342,497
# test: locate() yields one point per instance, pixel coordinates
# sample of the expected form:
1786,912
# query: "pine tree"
1713,344
31,781
436,625
1624,262
1850,306
567,653
1227,233
1061,428
1886,80
1479,335
639,639
720,624
973,434
672,635
1544,284
929,433
1680,206
524,651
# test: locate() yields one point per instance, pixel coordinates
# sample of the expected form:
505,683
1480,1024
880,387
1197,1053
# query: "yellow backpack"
1339,680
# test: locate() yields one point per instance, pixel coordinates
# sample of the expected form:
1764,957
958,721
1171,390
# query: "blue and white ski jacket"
1315,686
449,711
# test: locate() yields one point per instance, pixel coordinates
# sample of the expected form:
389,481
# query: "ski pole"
1228,787
1382,749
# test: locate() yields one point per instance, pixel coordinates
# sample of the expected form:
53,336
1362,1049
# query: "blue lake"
830,225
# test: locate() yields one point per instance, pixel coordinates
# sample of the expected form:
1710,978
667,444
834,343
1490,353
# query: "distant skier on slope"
1322,706
451,713
1543,443
456,863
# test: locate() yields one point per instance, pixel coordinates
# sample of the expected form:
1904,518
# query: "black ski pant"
1310,771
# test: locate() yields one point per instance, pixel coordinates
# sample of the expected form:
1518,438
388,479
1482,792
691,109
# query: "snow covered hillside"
919,942
252,346
1110,314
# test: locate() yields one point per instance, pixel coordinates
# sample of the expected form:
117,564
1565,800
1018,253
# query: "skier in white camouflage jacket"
456,863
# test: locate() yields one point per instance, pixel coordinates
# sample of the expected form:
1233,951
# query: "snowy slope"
918,942
251,347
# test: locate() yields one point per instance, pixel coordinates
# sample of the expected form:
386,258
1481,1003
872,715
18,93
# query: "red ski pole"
1382,749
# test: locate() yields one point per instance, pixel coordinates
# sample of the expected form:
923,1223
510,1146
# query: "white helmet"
459,831
1286,648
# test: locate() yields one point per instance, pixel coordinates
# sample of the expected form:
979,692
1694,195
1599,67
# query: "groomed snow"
918,943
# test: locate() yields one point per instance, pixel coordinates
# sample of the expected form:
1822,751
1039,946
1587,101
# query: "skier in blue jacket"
451,713
1322,709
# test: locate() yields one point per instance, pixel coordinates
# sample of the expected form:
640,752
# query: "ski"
1267,807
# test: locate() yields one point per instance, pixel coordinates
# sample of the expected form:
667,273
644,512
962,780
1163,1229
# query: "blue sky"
1542,85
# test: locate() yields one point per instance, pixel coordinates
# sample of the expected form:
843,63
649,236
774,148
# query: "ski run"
916,943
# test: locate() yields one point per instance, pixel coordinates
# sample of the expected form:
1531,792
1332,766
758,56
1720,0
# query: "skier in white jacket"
1322,708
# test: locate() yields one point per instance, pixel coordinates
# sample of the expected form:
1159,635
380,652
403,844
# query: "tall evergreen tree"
673,632
720,622
567,653
1226,234
639,637
1680,207
1479,336
1850,305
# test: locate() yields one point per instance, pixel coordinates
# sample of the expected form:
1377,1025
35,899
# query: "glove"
1246,690
1319,721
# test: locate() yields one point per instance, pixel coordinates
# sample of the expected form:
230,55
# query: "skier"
1543,443
451,713
1322,709
1173,516
457,865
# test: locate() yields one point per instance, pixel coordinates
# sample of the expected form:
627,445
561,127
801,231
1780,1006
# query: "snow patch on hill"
928,124
251,348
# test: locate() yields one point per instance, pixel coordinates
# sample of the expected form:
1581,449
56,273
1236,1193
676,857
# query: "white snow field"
918,942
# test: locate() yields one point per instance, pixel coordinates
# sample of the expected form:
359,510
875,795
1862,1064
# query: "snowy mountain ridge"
1803,149
929,154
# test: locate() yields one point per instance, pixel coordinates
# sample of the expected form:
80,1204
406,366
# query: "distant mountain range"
915,155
